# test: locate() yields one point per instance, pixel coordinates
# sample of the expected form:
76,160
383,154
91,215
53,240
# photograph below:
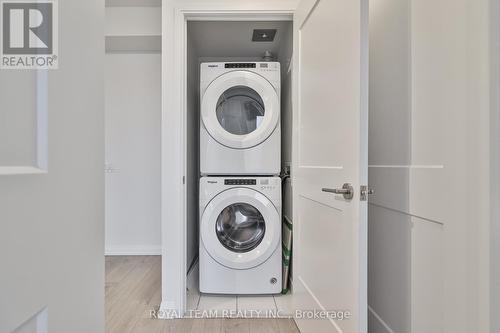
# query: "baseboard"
133,250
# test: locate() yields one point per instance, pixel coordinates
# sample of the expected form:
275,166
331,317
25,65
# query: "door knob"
347,191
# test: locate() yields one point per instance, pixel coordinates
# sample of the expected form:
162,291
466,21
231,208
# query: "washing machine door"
240,109
240,228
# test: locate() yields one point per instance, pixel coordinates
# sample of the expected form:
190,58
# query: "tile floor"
261,306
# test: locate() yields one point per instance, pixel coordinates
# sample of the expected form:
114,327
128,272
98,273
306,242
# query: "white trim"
494,301
42,114
363,172
133,250
174,37
395,166
233,16
168,310
20,170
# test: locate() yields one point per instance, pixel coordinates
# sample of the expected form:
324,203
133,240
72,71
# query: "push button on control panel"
240,65
240,182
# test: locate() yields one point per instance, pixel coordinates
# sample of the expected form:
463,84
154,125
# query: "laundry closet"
329,146
394,211
333,262
257,56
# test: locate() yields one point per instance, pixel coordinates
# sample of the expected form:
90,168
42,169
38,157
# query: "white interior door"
330,149
132,154
52,183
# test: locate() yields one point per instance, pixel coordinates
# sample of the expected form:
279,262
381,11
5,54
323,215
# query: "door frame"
494,225
174,78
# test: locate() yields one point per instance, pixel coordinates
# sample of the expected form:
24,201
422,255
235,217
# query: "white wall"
210,41
193,153
285,57
133,139
429,141
133,21
133,127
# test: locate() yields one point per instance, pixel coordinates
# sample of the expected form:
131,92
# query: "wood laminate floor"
133,290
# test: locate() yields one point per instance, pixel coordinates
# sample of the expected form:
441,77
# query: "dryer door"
240,109
240,228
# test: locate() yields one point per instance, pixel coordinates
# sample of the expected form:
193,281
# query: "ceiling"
234,39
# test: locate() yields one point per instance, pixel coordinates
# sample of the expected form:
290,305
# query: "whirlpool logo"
29,37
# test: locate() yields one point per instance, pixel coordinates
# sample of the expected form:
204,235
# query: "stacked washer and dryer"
240,187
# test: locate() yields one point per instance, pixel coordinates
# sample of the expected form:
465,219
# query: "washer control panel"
267,184
240,65
242,181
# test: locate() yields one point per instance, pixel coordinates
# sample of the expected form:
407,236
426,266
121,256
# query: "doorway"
132,168
224,41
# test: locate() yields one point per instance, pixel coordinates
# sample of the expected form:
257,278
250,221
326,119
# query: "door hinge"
183,180
364,191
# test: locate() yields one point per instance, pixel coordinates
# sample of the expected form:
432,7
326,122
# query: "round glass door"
240,110
240,227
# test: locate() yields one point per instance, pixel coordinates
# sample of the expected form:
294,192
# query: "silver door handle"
347,191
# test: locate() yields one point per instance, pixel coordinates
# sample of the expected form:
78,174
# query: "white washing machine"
240,130
240,235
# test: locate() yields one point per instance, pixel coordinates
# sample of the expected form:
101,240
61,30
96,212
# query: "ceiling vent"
263,35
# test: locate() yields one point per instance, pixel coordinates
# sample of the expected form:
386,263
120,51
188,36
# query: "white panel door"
330,149
132,154
52,184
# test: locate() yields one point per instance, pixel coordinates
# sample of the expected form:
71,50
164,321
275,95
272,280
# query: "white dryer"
240,235
240,130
